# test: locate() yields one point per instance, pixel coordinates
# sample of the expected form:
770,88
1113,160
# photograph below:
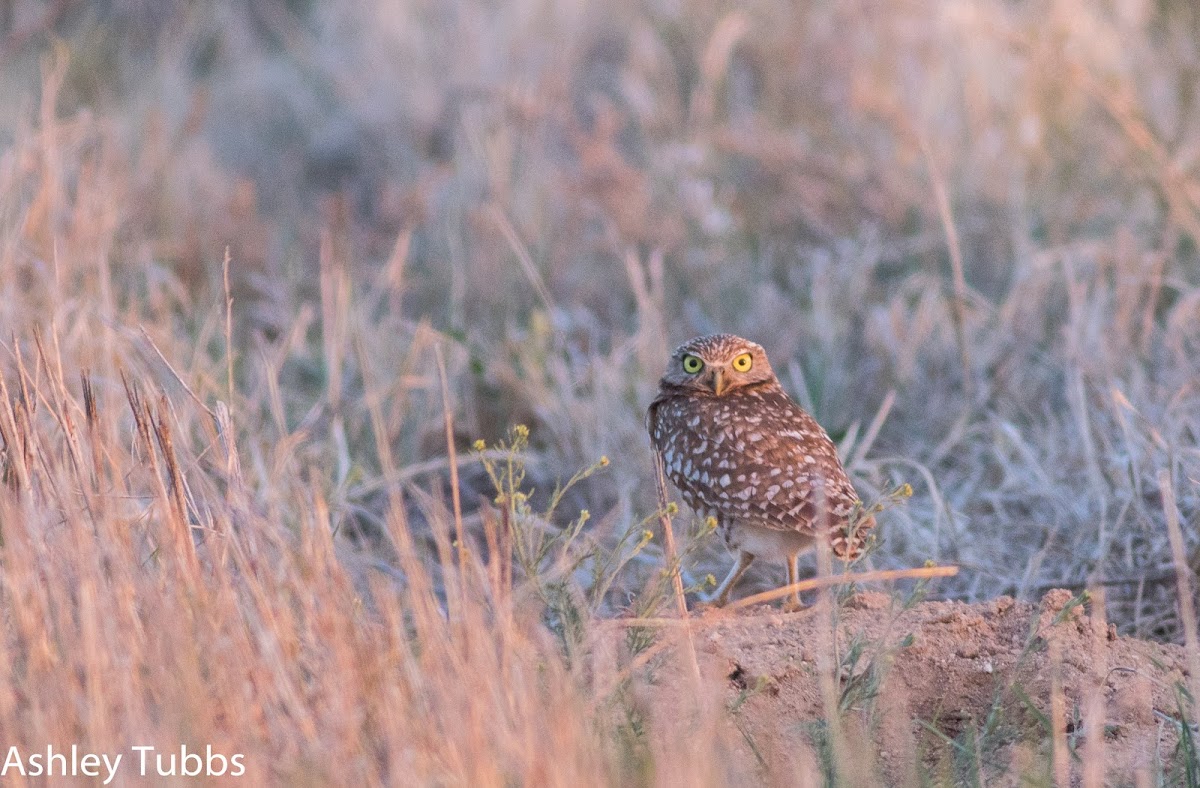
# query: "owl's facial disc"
717,365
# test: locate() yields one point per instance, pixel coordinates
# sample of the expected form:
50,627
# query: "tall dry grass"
152,598
966,234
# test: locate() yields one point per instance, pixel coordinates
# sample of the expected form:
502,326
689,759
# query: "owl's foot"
720,595
714,600
793,604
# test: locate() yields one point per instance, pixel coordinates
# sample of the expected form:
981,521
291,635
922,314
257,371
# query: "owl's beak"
718,383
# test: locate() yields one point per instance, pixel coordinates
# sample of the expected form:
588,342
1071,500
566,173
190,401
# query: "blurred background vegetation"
966,233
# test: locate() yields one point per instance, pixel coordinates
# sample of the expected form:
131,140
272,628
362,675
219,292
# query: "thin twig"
1060,755
804,585
452,456
228,332
1094,711
956,264
843,579
868,440
399,477
1187,607
522,254
176,375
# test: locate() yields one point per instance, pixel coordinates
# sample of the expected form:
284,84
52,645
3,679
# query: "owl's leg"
720,597
793,603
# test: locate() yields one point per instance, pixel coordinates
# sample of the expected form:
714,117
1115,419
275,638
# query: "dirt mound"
946,690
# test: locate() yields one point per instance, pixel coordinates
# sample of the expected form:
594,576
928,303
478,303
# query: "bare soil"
929,679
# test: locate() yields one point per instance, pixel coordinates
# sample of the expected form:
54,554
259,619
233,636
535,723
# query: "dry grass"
968,234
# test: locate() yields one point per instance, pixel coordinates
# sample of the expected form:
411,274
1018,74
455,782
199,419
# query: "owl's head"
717,364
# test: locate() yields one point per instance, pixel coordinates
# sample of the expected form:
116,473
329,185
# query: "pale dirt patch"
959,659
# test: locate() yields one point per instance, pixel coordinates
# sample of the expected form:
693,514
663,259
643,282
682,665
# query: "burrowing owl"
741,450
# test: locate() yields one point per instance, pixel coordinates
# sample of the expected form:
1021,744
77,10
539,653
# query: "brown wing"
756,456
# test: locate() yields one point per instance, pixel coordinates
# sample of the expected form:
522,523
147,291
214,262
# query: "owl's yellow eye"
692,364
743,363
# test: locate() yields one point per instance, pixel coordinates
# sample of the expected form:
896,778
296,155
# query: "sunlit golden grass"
267,274
139,606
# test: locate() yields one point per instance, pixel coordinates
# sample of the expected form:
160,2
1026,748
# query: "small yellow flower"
603,461
906,490
479,445
672,507
584,514
647,535
710,580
